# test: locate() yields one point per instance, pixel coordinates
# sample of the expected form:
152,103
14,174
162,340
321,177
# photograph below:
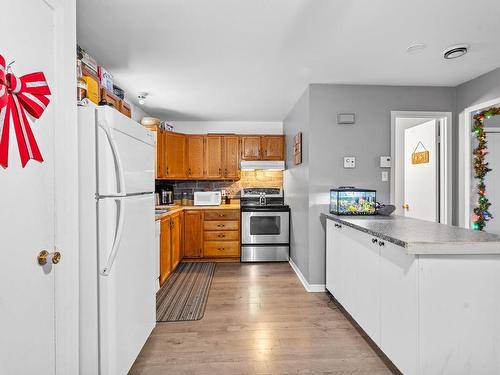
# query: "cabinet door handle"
381,243
220,171
220,225
221,235
374,240
220,248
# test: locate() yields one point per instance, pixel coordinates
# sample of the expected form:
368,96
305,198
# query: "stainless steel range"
265,225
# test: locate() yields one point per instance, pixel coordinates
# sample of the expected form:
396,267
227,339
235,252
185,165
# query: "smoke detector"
142,97
456,51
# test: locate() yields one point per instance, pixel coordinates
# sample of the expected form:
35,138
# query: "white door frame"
446,171
66,189
465,159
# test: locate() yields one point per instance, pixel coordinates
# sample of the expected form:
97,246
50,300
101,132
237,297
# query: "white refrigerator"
117,240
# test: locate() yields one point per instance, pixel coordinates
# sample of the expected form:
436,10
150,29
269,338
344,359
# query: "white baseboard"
311,288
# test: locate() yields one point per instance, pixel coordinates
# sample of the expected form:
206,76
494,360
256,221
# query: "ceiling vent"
454,52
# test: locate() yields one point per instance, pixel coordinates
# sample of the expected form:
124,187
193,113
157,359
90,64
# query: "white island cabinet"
427,294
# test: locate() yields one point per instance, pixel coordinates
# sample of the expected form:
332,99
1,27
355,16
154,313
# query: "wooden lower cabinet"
165,250
221,225
198,234
171,242
221,234
176,238
217,249
193,234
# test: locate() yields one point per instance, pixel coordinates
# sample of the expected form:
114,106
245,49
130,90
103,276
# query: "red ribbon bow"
18,96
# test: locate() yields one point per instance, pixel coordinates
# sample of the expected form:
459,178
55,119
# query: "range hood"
265,165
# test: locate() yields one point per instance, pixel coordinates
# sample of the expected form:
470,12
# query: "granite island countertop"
423,237
178,208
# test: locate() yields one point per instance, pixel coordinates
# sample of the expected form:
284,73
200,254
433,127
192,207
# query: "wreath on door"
481,214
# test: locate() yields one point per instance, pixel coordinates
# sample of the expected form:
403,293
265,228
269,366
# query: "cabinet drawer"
222,215
222,236
221,225
221,249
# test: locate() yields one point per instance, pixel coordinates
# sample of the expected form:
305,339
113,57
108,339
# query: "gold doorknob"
56,258
406,206
44,255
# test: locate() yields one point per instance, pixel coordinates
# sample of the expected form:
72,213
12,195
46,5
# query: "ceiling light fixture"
456,51
142,97
416,47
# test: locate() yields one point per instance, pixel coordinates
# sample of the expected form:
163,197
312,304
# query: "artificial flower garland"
481,169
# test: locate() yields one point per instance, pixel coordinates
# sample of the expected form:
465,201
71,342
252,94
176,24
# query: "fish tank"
352,201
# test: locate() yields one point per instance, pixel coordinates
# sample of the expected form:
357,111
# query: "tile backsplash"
248,179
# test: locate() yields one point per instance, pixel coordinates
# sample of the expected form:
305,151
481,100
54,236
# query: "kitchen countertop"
423,237
177,208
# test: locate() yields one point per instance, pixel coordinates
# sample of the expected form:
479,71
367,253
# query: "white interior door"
421,181
492,182
27,214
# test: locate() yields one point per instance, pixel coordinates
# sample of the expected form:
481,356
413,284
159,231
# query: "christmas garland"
481,213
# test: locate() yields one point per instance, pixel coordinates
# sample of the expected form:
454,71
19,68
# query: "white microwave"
207,198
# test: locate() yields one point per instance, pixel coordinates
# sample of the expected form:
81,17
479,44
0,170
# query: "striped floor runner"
184,295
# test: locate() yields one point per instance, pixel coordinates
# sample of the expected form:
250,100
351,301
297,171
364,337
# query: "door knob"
44,256
406,206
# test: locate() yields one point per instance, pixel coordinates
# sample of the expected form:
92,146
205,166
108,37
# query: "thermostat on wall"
385,162
345,118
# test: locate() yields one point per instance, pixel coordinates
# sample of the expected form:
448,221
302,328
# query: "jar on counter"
184,199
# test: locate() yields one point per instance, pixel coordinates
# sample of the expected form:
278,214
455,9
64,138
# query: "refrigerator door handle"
118,235
116,155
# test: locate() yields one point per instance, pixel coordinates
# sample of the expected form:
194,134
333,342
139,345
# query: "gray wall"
367,140
478,90
296,187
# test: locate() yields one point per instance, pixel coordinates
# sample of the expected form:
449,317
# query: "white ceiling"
251,60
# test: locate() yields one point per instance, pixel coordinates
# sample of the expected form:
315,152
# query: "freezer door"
126,251
125,155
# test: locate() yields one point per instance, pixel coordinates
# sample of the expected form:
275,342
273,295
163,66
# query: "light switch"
385,176
349,162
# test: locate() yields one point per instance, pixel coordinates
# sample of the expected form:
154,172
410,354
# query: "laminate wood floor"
260,320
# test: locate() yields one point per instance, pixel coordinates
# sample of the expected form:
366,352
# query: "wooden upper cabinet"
262,147
213,157
193,234
231,157
174,153
273,147
195,156
250,147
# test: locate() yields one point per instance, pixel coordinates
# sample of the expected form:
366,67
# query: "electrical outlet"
349,162
385,176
